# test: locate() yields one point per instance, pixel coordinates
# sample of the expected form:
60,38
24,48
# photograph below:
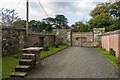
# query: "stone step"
28,52
18,74
28,56
26,62
22,68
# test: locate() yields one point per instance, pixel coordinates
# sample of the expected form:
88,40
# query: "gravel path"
75,62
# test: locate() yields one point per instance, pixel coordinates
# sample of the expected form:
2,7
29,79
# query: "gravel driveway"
75,62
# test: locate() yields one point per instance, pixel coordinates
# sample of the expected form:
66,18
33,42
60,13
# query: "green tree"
79,27
8,16
115,9
101,8
33,25
41,26
49,20
19,23
61,22
74,28
101,21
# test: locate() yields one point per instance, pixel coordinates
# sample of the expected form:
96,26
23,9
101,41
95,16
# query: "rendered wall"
112,40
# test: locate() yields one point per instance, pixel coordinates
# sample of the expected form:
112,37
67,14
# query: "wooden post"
27,16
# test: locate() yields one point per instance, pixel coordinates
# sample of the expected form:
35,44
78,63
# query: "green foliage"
103,51
57,46
19,23
79,27
61,22
49,20
46,47
37,26
115,9
112,58
104,15
51,51
47,24
33,25
9,63
112,52
102,21
8,16
76,39
100,8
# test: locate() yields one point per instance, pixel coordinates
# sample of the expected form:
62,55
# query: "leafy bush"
112,52
46,47
76,39
57,46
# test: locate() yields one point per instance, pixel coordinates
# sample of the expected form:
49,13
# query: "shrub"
112,52
76,39
57,46
46,47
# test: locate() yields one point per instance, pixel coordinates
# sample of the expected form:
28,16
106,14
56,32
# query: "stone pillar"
97,32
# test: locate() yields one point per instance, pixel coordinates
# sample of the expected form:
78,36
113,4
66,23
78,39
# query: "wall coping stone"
14,28
62,29
112,32
82,32
98,29
40,34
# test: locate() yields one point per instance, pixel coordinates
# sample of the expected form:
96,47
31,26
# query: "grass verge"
51,51
10,62
113,59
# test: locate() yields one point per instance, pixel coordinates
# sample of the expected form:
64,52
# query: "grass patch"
103,51
9,63
52,50
113,59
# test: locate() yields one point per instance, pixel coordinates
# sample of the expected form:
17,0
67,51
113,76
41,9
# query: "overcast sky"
74,10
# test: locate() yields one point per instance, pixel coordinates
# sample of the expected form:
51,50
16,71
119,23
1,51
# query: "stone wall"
62,36
37,39
97,36
13,40
49,39
34,40
82,39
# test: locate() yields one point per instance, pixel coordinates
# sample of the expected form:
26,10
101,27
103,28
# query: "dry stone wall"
97,36
62,36
82,39
49,39
39,40
13,40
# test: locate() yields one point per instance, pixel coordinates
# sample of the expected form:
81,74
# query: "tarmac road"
75,62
